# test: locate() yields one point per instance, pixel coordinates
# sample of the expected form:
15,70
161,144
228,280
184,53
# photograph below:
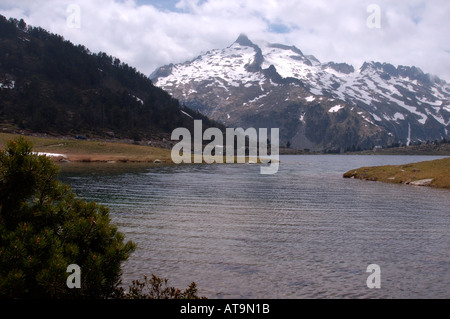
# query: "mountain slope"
49,85
316,105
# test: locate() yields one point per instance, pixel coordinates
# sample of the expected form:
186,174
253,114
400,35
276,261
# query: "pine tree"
44,228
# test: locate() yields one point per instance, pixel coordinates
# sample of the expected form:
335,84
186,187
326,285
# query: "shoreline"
73,151
83,151
65,150
434,173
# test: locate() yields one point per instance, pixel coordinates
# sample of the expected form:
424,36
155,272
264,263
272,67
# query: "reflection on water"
304,232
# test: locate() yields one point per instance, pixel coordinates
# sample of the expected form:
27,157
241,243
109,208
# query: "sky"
147,34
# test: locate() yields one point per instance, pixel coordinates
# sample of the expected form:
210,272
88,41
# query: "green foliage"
157,288
44,228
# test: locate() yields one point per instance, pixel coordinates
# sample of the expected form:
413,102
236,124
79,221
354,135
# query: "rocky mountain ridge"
316,105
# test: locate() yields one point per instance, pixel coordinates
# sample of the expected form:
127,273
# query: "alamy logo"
374,19
73,20
216,150
74,280
374,280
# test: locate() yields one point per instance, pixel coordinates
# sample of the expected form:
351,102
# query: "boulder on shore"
422,182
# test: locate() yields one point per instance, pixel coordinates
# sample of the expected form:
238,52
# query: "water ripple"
303,233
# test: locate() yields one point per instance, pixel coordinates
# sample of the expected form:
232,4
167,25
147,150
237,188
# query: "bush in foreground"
44,228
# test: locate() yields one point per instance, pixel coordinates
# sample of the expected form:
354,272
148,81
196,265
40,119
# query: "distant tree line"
418,143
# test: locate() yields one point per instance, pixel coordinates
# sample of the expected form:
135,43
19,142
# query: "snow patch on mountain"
225,67
336,108
398,116
188,115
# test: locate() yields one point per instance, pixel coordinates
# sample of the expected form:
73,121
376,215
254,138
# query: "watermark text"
234,150
74,280
73,20
374,280
374,19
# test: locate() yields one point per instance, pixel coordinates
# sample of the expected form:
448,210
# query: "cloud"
150,33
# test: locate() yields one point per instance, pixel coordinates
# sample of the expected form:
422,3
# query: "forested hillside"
49,85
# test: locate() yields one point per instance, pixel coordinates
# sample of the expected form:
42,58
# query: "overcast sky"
150,33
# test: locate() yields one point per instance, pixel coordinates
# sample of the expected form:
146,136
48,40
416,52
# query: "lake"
305,232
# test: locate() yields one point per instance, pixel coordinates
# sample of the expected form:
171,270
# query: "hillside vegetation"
48,84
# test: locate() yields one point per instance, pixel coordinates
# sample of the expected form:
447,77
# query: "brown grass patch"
94,151
437,170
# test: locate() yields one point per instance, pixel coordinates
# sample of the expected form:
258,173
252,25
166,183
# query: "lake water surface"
304,232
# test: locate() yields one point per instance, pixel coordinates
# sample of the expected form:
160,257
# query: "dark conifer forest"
49,85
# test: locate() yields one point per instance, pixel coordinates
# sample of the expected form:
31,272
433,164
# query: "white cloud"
413,32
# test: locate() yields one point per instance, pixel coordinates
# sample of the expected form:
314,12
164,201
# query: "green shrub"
44,228
157,288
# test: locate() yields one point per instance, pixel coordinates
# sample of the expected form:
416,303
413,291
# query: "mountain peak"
286,47
244,40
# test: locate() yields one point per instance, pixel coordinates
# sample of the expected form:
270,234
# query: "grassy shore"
94,151
431,173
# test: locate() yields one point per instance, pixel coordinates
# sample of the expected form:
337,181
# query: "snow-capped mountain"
316,105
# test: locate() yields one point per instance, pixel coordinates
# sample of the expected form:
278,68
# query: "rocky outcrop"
422,182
